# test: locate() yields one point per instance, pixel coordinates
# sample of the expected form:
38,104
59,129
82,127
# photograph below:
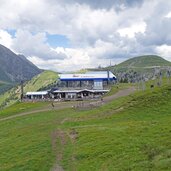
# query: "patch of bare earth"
73,135
58,137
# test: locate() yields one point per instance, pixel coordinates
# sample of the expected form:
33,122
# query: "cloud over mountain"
97,31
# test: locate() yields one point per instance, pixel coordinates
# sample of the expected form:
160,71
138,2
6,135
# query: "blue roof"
97,75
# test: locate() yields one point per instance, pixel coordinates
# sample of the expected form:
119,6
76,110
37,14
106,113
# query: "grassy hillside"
141,64
147,66
38,82
42,80
144,61
130,133
4,86
144,65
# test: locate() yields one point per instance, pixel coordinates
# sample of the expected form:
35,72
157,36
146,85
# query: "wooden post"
22,91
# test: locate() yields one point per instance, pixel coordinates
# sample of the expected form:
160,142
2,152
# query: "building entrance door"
62,95
85,93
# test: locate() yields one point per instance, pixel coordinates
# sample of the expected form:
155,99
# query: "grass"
134,138
42,80
144,61
22,107
115,88
143,65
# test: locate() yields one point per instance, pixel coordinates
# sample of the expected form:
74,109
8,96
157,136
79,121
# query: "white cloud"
5,38
34,45
164,50
99,55
97,32
76,59
89,25
158,25
168,15
132,30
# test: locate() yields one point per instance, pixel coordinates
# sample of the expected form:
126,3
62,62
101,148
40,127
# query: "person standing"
52,105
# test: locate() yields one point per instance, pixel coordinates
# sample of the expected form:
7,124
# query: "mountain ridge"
145,61
15,68
138,62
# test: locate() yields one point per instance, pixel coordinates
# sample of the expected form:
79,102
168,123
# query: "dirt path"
58,106
58,135
49,108
59,139
120,93
107,99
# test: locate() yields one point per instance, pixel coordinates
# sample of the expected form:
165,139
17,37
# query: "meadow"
130,133
37,83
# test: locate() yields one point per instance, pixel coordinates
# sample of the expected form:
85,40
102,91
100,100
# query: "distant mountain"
147,66
4,86
148,61
138,63
14,68
141,63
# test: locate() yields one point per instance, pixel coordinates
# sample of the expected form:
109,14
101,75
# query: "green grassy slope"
42,80
19,107
144,64
144,61
38,82
134,138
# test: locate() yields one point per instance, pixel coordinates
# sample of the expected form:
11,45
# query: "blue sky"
74,34
56,40
11,32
